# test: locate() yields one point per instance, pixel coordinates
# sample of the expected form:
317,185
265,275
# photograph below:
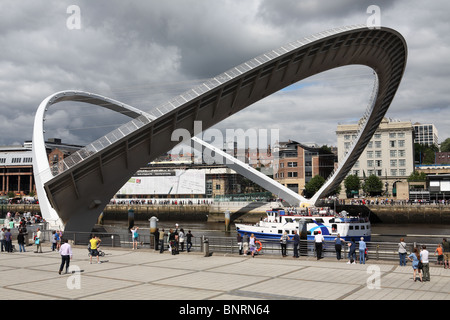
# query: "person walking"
362,251
189,236
318,240
66,255
21,241
402,252
446,252
53,240
415,258
338,246
425,263
283,242
296,243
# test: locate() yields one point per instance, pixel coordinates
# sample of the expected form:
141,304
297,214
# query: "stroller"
100,252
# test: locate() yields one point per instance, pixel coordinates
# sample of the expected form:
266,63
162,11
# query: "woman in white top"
252,245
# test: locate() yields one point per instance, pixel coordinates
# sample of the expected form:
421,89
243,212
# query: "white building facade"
388,155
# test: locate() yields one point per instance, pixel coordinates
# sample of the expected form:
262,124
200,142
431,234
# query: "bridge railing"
384,251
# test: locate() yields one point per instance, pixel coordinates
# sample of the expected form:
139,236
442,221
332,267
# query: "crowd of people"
160,201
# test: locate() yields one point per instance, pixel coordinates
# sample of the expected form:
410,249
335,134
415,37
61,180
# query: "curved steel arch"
80,191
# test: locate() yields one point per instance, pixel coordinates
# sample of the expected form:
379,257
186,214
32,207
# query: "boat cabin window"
363,227
356,227
280,231
319,220
334,227
308,221
288,219
350,227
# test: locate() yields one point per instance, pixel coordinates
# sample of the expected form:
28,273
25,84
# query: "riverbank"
251,212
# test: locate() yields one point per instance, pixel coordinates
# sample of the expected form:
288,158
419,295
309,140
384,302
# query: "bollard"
130,218
206,246
227,220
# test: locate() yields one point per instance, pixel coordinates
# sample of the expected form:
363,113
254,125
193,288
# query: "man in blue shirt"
362,251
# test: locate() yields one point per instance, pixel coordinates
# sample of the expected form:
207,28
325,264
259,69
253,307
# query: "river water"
420,233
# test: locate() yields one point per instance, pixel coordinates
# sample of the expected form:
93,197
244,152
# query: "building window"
370,163
370,144
369,154
378,163
217,186
292,164
393,163
392,143
378,154
392,134
346,137
377,144
292,174
401,162
377,135
393,153
402,172
401,153
401,135
401,143
393,172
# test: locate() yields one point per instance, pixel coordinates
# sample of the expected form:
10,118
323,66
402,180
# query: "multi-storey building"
425,134
297,164
388,155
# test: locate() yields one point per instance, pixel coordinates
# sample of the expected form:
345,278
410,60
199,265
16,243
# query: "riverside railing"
229,245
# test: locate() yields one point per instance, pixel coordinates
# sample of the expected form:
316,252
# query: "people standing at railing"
181,239
446,252
283,242
425,263
161,240
351,252
440,254
189,236
362,251
21,241
245,240
239,242
318,241
338,246
402,252
135,237
296,239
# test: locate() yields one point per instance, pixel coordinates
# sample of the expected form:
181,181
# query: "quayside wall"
251,212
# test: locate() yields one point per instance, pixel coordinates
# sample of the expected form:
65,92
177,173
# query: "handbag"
37,241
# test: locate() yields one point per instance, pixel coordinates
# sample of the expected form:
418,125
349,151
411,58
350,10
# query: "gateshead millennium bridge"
75,191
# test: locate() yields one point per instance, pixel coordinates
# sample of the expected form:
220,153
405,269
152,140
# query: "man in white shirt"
318,239
66,255
425,263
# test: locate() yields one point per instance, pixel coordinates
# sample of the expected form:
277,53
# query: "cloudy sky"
145,52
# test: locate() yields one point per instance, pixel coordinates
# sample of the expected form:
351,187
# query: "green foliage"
352,182
417,176
373,185
424,154
445,146
314,185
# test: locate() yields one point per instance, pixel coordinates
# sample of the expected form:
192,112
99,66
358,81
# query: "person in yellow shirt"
94,242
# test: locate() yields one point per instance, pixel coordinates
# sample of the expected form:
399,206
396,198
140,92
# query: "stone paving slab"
126,274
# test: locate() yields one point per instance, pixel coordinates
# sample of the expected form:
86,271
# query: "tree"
417,176
445,145
373,185
352,183
314,185
424,154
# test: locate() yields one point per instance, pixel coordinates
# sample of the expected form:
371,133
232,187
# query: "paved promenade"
145,274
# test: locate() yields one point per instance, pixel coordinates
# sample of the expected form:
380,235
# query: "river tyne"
381,232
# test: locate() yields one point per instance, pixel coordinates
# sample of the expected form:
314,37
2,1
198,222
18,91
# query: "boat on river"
308,222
